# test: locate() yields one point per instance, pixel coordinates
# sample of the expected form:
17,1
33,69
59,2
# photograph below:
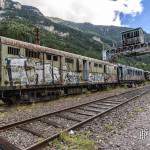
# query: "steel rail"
39,144
78,124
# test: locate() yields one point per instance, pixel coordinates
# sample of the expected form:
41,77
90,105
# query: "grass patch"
73,142
131,115
3,114
108,89
109,127
139,110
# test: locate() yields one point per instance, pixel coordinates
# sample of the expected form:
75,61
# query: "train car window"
32,54
140,73
100,65
134,72
69,60
55,58
78,65
129,72
49,57
90,65
95,65
105,69
13,51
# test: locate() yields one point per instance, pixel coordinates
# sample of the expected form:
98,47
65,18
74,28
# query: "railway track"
43,129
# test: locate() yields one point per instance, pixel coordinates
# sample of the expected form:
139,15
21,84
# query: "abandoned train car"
127,73
31,72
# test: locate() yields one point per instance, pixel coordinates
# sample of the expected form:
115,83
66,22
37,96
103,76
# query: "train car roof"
130,67
34,47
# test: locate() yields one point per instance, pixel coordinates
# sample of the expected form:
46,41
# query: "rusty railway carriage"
127,74
30,72
147,75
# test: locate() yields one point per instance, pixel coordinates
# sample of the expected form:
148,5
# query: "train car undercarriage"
33,94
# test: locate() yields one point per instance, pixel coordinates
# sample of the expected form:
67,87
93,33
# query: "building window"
13,51
32,54
136,33
55,58
132,34
49,57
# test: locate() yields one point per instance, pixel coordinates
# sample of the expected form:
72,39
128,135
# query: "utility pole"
37,36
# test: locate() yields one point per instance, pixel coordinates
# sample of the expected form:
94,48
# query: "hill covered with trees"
19,21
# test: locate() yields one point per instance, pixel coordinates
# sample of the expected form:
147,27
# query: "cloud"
100,12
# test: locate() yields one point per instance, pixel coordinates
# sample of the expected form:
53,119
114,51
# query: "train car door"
85,70
120,73
105,69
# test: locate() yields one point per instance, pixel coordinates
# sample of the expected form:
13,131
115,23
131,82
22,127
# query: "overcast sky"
131,13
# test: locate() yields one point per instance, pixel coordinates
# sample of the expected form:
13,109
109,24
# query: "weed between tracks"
109,127
73,142
139,109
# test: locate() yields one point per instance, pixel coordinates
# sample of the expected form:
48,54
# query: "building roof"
132,30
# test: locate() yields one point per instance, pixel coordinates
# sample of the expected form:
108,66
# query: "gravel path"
126,128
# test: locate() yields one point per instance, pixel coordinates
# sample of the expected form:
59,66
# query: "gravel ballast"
20,138
22,112
125,128
105,131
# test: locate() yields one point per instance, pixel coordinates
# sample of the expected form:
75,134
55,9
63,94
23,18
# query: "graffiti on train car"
28,72
96,77
70,77
16,71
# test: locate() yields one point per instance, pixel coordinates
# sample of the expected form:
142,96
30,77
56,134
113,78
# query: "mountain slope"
19,22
